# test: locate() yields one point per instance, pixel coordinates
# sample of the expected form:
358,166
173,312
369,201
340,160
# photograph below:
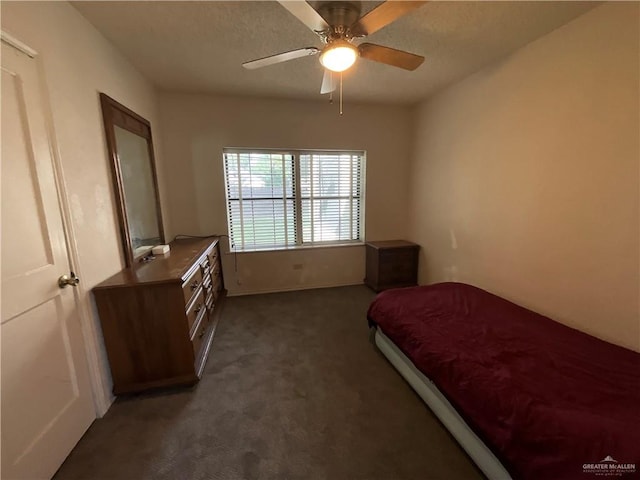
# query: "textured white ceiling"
199,46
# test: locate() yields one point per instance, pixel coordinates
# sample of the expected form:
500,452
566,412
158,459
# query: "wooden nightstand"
391,264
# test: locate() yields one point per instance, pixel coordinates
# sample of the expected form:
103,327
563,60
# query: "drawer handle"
197,309
204,330
195,285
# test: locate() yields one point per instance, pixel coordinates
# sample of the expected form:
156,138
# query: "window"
290,198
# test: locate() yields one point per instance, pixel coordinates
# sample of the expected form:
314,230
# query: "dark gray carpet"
292,390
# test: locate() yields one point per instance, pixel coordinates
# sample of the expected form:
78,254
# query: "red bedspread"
547,399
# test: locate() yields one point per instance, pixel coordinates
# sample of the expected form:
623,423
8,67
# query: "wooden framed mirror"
133,167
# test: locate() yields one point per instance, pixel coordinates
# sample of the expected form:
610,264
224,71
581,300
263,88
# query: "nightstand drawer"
397,273
405,256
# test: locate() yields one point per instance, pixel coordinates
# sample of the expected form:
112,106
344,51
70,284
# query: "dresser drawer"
216,278
210,304
191,285
196,307
199,335
207,287
213,256
205,265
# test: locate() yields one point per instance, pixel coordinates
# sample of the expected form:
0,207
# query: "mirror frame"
114,113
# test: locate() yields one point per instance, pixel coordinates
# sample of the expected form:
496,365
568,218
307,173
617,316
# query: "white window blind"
260,199
281,199
330,190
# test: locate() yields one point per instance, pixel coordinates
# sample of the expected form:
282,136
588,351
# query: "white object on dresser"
160,249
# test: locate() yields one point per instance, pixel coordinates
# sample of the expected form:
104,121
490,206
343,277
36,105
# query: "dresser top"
382,244
165,268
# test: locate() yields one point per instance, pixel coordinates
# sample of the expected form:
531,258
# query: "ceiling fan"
338,24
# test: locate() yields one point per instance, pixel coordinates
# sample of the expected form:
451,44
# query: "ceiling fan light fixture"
338,56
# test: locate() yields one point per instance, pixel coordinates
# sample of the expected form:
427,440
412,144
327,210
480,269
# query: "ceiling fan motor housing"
340,16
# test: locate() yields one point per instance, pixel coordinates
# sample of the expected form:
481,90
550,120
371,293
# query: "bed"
525,396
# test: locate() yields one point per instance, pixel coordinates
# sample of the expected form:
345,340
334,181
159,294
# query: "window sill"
299,247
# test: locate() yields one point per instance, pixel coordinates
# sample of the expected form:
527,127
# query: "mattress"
547,400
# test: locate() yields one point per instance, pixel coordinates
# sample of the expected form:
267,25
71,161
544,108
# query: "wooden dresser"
158,318
391,264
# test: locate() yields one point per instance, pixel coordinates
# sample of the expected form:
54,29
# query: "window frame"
296,154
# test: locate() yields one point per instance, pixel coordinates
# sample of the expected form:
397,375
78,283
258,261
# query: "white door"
45,391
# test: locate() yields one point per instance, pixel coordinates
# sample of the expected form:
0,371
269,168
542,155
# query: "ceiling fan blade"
328,82
280,57
306,14
390,56
382,16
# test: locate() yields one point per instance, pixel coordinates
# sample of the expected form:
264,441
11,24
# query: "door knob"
71,279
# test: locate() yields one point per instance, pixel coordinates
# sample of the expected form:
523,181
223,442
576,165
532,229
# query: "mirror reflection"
139,190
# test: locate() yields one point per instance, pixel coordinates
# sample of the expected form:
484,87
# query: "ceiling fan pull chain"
332,88
340,93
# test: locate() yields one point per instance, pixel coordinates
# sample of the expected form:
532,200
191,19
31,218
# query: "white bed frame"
437,402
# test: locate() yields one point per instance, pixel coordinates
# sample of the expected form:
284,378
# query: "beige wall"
525,177
531,164
78,63
198,128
